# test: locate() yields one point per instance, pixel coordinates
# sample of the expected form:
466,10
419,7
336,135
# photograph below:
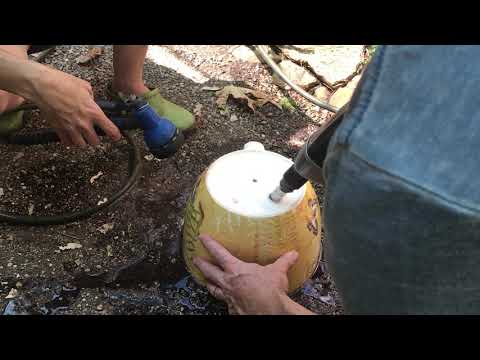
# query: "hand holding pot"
247,288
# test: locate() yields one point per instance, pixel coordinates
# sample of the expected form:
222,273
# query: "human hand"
68,105
247,288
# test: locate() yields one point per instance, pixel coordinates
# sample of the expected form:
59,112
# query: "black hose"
44,136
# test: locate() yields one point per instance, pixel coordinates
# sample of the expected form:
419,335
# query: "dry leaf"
93,178
149,157
30,209
71,246
1,192
253,97
12,294
102,201
105,228
109,250
93,53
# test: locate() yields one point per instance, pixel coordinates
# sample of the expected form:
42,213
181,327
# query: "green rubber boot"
180,117
11,122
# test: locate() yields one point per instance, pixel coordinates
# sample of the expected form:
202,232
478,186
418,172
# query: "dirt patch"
129,261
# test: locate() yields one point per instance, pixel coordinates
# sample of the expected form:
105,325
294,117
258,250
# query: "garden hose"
43,136
295,87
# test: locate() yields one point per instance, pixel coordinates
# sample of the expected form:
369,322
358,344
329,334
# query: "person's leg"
9,101
128,62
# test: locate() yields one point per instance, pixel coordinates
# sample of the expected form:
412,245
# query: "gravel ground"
129,261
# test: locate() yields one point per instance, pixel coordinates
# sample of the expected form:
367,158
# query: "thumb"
286,261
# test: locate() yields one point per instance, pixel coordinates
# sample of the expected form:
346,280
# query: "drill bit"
277,195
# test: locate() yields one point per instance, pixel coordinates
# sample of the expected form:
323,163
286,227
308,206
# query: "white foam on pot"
242,181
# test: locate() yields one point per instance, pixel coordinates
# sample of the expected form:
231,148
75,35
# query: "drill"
309,161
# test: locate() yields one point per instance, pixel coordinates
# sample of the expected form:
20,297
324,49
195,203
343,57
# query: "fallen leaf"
105,228
254,98
149,157
93,53
233,117
30,209
12,294
95,177
1,192
211,88
109,250
71,246
102,201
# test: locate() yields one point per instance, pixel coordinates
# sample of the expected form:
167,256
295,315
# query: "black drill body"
308,163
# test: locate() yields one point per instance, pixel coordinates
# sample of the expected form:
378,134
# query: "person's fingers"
102,121
218,252
63,136
211,272
90,135
286,261
216,292
76,138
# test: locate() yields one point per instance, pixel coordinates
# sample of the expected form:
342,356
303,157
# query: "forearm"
19,76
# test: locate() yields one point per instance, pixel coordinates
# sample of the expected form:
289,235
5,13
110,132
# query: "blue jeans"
402,176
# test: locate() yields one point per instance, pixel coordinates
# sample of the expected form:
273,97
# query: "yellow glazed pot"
230,202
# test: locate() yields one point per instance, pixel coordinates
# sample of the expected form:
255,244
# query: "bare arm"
66,101
19,76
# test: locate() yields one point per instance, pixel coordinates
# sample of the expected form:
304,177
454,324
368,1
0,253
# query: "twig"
323,81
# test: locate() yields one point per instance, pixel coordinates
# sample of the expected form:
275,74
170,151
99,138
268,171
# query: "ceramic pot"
230,202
